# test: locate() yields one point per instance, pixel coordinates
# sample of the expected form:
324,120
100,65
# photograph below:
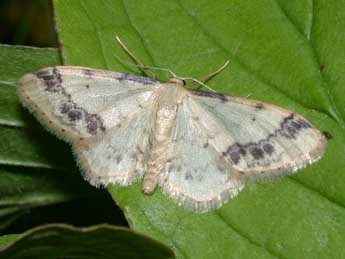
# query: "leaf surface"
64,241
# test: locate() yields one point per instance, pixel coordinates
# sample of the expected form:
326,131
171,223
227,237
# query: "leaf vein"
98,36
253,242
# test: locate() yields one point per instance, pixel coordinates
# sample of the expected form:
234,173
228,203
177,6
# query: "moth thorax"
165,121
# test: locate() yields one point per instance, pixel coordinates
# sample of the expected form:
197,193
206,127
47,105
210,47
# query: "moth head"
176,80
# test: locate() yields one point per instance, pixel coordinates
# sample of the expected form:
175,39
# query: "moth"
199,147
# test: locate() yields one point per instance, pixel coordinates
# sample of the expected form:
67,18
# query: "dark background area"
30,22
27,22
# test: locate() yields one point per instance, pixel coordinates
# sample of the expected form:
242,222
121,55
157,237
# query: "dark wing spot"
259,106
88,73
291,131
66,107
52,80
118,158
92,127
172,167
75,115
235,157
94,122
296,125
220,167
304,124
291,127
256,152
188,176
268,148
235,152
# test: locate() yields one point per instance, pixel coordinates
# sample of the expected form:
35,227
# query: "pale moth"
199,147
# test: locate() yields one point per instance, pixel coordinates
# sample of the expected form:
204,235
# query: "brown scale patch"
259,106
74,115
268,148
88,73
256,152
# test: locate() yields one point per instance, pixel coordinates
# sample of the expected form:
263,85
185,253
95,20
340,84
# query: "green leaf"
15,62
23,189
102,241
4,240
290,53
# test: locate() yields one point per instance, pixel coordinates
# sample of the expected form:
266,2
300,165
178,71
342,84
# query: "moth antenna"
146,69
139,64
212,74
161,69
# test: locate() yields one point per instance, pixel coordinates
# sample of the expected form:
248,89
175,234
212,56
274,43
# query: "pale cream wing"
196,175
261,141
106,116
120,155
77,102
